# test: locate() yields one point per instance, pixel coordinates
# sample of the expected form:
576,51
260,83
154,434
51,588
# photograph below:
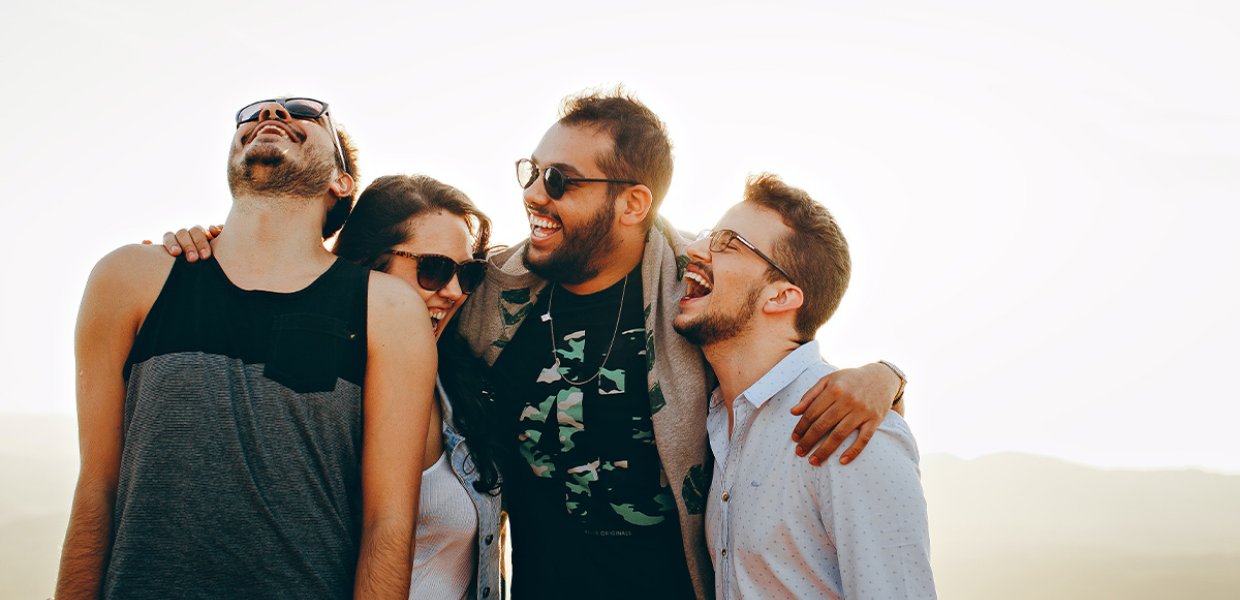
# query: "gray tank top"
240,473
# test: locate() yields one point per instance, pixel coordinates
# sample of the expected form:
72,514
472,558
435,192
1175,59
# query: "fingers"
810,395
818,427
835,440
818,399
171,245
214,231
867,432
187,243
198,240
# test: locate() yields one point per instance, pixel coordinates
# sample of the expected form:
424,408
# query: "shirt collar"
779,377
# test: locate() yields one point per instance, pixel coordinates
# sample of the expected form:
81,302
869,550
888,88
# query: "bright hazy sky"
1039,197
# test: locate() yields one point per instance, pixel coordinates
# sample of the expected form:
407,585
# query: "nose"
452,291
536,194
273,111
699,250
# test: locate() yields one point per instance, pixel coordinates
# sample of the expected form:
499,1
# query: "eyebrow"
568,169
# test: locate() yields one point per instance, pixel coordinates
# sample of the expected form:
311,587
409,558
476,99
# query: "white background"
1040,197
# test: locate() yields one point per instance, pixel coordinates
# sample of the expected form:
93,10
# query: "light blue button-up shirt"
778,527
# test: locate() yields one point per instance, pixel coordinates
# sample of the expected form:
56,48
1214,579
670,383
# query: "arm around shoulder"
399,389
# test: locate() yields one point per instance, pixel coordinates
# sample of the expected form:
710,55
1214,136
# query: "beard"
266,171
580,252
720,326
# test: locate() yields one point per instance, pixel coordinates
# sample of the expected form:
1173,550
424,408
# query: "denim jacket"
487,584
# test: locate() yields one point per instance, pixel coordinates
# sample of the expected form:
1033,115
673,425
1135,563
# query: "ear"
634,204
788,297
342,185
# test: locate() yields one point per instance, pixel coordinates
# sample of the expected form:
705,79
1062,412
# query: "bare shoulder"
390,294
120,292
394,307
132,272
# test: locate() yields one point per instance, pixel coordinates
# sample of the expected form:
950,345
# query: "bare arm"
400,381
118,294
845,401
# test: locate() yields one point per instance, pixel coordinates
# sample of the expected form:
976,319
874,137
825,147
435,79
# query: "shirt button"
490,538
724,552
486,592
725,497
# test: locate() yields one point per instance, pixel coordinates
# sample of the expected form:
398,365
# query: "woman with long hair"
431,235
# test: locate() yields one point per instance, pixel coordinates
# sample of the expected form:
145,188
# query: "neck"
273,242
743,360
620,262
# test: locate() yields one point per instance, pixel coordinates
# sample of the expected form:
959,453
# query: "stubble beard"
716,327
581,250
266,171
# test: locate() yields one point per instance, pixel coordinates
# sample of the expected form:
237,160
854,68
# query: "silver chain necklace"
554,353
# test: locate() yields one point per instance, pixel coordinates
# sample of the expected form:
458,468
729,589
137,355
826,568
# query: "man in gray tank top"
251,426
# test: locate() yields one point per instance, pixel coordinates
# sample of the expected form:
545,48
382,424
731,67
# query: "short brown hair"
339,211
641,149
814,252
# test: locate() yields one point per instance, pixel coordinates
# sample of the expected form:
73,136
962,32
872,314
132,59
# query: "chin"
262,154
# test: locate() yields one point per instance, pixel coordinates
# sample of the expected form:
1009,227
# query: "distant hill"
38,467
1009,526
1014,526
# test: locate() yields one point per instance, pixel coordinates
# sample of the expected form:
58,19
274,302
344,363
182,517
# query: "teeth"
543,222
273,130
698,279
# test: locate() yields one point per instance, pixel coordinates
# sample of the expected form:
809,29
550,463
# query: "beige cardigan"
677,374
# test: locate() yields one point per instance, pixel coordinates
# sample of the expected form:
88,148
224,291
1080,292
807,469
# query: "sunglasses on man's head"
554,180
298,108
436,270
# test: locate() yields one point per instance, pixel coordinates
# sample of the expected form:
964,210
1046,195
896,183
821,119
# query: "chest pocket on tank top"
304,351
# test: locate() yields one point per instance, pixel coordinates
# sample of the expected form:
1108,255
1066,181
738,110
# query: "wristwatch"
903,381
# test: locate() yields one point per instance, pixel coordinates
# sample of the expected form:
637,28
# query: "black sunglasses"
554,179
720,240
298,108
436,270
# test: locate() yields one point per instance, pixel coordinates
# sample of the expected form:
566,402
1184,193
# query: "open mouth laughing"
543,227
697,283
437,318
276,129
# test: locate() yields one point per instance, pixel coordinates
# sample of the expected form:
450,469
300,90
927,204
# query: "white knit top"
444,553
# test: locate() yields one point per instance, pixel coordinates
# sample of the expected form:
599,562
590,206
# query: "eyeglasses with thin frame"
721,239
554,180
298,108
436,270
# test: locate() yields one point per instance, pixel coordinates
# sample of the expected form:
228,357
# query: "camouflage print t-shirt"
590,508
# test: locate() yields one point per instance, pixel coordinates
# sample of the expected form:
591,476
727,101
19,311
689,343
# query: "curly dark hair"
641,149
339,211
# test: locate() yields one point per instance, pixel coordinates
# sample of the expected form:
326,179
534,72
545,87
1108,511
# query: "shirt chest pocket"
304,351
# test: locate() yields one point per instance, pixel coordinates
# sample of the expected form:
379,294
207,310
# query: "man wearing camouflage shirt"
601,405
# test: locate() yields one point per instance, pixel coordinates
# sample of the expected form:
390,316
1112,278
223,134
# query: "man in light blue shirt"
758,288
